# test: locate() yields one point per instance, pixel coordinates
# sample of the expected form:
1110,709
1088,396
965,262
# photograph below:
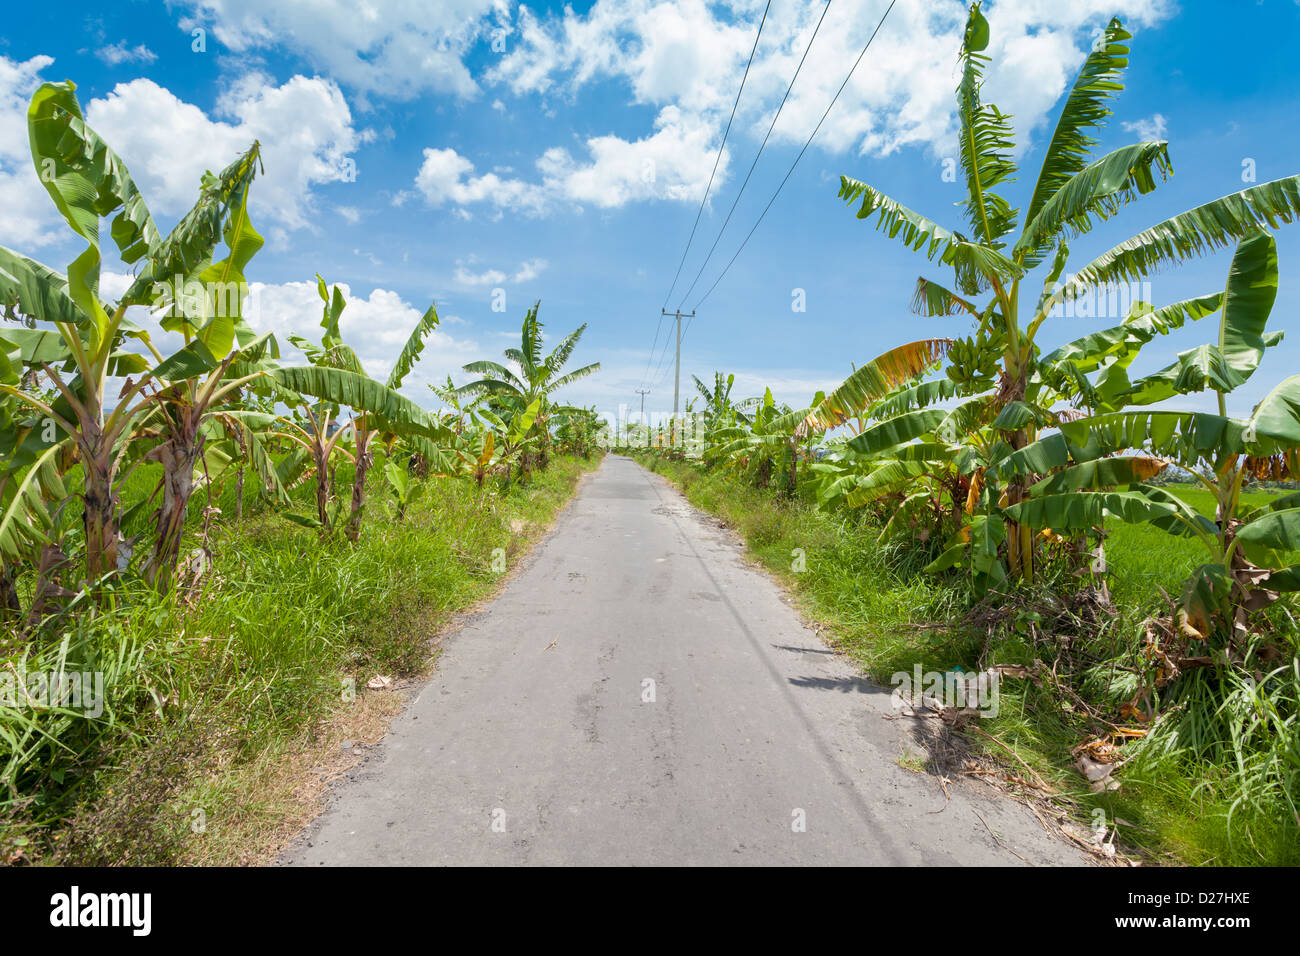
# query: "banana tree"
336,379
240,441
719,410
575,428
502,441
402,488
1071,192
1252,555
537,379
773,440
461,411
88,345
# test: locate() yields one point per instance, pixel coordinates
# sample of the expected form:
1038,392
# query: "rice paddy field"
1144,560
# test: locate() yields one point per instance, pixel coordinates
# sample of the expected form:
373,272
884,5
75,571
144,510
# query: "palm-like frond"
973,264
1085,108
496,371
557,359
985,141
1100,189
414,346
30,289
899,430
876,379
573,376
914,396
190,243
931,299
1196,232
1121,342
24,518
393,411
531,341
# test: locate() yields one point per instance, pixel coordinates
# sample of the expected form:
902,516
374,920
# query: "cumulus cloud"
526,272
392,49
447,177
691,55
118,53
304,126
376,326
530,270
672,163
30,219
1149,129
686,60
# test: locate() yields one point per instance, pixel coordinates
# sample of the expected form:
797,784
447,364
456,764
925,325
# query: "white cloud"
691,55
376,326
529,270
117,53
672,163
446,176
30,219
686,60
1149,129
304,126
488,277
526,272
113,285
392,49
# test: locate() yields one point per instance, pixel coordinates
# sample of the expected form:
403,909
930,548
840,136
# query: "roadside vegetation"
209,557
1128,570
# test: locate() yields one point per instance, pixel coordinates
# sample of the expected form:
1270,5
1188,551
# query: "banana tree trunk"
178,455
364,459
100,519
48,588
9,591
544,449
322,488
794,467
1020,538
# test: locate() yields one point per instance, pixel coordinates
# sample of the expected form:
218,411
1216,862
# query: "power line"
686,295
718,158
801,152
650,357
660,374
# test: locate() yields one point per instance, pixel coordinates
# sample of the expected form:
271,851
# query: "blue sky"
444,151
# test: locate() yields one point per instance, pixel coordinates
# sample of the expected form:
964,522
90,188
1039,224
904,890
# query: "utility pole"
643,392
677,372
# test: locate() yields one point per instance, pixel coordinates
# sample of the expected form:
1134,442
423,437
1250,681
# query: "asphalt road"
536,742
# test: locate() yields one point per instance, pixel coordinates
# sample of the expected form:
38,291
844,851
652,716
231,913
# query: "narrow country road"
534,742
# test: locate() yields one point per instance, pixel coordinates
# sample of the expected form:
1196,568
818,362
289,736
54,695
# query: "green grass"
1179,802
208,692
1144,560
